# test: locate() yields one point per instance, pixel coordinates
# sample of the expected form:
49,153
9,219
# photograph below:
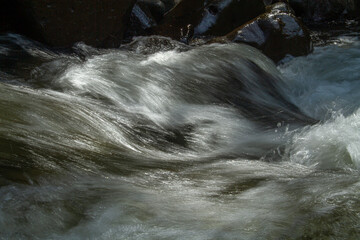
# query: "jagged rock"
209,17
61,23
317,11
276,33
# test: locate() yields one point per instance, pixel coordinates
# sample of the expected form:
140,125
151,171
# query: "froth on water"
160,140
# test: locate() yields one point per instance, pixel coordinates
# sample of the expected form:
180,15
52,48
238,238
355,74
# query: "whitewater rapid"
160,140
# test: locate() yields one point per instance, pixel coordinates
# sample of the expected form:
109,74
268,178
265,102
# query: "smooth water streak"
159,140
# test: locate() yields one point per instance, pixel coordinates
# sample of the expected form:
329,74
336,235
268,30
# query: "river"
160,140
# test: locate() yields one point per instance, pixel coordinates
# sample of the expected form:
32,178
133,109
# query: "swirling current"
160,140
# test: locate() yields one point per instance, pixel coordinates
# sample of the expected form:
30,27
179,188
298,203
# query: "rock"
153,44
353,9
209,17
276,33
158,8
225,16
155,7
145,15
61,23
317,11
186,12
10,16
187,34
141,21
270,2
280,7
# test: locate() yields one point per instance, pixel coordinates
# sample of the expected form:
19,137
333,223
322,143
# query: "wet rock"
276,33
147,14
209,17
154,44
317,11
158,8
270,2
155,7
61,23
280,7
141,21
142,12
187,34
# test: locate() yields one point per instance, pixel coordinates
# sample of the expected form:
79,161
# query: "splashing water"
159,140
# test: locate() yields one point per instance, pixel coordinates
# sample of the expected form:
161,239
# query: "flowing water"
159,140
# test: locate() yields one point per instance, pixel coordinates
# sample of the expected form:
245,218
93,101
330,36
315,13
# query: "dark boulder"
158,8
318,11
11,16
276,33
209,17
61,23
270,2
141,21
353,9
147,14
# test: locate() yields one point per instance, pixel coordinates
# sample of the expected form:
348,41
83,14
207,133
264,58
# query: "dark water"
159,140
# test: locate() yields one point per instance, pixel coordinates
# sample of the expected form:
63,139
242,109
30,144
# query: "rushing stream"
160,140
